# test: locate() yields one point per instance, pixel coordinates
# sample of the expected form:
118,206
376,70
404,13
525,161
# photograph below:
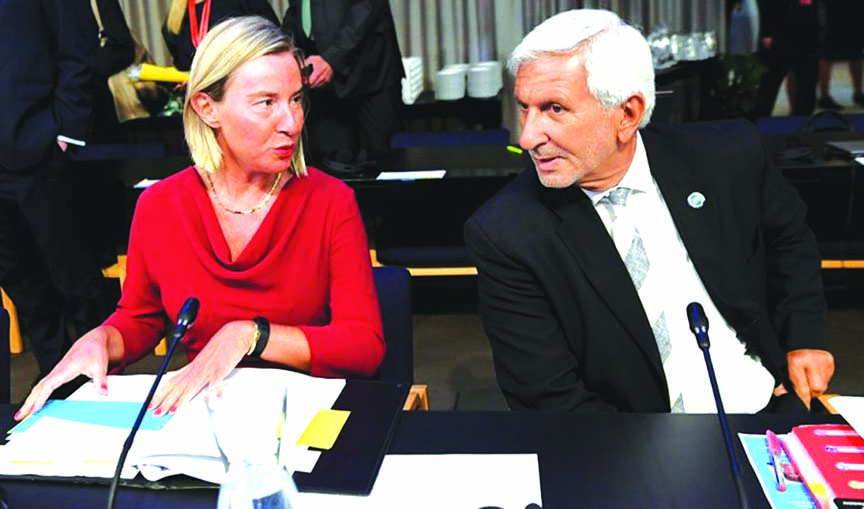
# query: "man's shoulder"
512,199
709,142
717,129
694,135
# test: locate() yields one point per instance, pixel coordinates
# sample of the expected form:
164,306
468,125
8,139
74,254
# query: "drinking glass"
249,442
257,485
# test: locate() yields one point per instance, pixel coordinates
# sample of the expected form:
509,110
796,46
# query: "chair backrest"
394,297
5,361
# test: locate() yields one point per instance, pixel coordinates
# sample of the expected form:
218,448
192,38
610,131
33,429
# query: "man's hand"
810,371
322,73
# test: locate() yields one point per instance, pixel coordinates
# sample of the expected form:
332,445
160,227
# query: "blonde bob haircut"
226,47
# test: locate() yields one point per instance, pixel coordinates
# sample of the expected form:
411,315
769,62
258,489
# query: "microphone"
699,325
185,319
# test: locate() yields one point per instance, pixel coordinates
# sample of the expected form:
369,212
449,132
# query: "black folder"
351,465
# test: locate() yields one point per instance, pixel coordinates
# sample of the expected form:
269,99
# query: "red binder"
830,460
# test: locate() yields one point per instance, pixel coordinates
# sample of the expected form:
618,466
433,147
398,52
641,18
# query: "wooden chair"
14,331
825,400
118,270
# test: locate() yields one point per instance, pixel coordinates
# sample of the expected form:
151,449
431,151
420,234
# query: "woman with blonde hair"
275,251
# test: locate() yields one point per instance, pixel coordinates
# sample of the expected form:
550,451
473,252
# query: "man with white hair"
587,264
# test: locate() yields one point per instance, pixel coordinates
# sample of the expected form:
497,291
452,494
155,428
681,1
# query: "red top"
307,265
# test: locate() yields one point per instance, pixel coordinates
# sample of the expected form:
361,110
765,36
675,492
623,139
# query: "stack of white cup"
484,79
450,82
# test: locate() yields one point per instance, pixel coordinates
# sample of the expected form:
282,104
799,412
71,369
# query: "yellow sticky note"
322,431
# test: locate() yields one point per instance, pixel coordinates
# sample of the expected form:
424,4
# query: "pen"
775,451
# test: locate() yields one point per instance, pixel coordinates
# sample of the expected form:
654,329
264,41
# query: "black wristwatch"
262,334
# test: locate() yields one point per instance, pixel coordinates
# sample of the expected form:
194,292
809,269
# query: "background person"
48,49
790,34
356,80
182,37
844,42
583,299
249,230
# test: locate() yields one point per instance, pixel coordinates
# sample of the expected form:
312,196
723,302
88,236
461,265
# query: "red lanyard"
198,31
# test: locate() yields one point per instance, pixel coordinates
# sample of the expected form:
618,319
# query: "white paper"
435,481
852,409
251,407
411,175
145,183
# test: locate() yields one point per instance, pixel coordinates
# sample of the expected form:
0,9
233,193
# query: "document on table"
412,175
796,495
251,405
852,409
508,481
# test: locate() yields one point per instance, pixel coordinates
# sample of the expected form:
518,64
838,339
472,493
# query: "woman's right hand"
88,356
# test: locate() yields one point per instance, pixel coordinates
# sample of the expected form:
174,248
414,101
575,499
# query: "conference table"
591,461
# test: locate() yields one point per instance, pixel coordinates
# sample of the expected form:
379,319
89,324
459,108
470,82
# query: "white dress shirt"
745,384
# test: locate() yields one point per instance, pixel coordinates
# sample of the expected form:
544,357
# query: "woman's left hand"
222,353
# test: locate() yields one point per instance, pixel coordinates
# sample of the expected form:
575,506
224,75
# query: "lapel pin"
696,200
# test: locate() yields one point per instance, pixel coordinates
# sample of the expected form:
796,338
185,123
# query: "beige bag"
131,96
128,93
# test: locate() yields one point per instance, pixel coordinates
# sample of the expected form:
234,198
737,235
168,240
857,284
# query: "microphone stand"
185,318
699,326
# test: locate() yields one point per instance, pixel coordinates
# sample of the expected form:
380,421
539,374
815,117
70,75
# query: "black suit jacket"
48,54
564,320
356,37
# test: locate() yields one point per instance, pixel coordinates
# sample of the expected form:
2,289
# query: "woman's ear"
205,107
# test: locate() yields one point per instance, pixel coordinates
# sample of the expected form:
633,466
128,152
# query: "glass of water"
250,449
257,486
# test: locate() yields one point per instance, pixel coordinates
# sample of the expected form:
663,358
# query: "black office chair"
393,285
5,359
394,297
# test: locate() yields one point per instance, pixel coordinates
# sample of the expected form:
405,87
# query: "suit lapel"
583,233
695,214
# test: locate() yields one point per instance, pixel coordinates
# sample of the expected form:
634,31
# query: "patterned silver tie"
629,244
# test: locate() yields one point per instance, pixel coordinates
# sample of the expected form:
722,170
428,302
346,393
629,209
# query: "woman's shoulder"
169,188
325,182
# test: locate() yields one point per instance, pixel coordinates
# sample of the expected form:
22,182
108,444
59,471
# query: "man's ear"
205,107
632,111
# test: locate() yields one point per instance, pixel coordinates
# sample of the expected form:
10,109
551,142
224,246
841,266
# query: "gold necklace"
254,209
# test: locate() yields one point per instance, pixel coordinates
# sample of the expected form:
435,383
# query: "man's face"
571,137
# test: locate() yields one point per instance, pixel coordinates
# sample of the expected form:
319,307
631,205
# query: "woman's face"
259,120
